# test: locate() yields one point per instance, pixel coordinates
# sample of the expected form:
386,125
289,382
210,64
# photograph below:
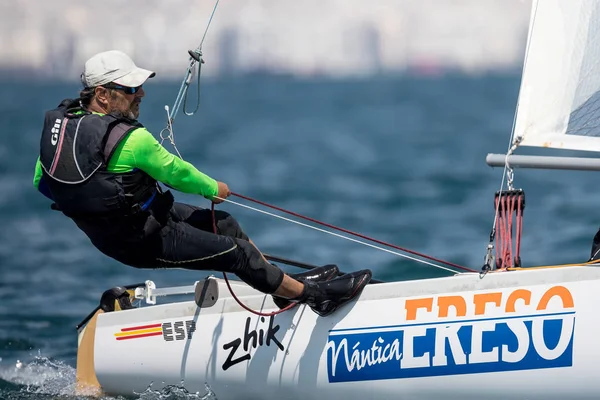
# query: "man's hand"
223,193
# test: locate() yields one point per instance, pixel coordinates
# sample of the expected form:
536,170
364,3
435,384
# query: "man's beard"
132,112
129,113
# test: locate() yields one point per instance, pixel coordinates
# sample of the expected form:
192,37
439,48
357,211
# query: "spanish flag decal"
141,331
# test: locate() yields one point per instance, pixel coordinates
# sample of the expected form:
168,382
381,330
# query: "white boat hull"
529,334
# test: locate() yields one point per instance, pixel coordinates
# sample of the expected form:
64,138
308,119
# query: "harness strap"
114,137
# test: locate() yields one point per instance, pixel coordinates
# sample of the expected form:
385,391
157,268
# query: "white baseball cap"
113,66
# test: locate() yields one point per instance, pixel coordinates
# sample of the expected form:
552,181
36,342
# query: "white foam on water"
176,392
46,377
41,376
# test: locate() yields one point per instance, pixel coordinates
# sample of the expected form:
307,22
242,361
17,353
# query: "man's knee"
228,226
254,270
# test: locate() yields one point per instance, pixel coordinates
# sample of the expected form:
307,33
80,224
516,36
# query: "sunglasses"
126,89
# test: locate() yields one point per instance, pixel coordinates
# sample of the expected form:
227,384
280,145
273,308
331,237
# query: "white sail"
559,100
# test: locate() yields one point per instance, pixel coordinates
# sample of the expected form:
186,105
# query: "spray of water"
46,378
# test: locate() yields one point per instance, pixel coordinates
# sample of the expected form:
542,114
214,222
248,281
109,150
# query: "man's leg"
232,251
183,245
227,226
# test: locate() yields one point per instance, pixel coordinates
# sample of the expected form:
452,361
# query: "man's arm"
38,180
37,177
141,150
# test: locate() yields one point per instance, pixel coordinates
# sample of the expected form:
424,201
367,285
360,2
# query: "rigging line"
195,57
208,25
341,236
512,144
354,233
511,141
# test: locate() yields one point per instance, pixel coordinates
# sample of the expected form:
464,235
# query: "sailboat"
506,331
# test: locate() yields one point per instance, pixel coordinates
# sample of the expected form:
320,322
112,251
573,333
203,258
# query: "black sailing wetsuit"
102,172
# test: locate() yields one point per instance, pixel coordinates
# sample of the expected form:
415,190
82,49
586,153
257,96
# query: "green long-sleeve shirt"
141,150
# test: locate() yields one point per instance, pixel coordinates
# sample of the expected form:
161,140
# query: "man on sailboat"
101,168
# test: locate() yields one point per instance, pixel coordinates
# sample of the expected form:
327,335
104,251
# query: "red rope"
292,305
499,238
509,218
510,206
505,227
324,224
354,233
519,228
502,240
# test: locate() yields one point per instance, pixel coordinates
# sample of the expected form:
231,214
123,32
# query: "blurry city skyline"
337,38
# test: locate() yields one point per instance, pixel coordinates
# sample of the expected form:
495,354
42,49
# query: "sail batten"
559,99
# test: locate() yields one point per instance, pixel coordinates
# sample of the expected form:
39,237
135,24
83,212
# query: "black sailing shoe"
319,274
326,297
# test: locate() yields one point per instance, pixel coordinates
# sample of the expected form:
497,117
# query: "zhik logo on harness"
55,130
